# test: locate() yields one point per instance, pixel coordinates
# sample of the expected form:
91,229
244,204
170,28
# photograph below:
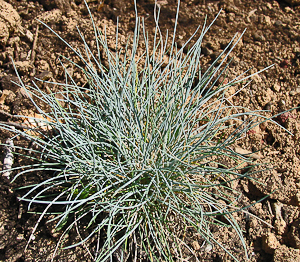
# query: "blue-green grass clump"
137,150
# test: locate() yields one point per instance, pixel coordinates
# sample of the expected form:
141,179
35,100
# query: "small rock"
207,247
259,37
8,158
231,17
266,20
11,97
13,40
165,60
295,92
282,104
196,245
224,81
231,8
276,87
247,153
287,9
268,106
265,96
257,78
215,46
5,93
45,75
24,93
269,6
278,23
269,243
206,51
64,6
32,237
20,237
55,233
251,16
279,224
29,36
38,120
43,65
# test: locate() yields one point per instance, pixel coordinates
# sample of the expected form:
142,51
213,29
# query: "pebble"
4,94
266,20
281,104
258,37
295,92
29,36
45,75
196,245
279,224
207,247
215,46
55,233
43,65
8,158
13,40
289,10
32,237
20,237
166,60
268,106
206,51
276,87
269,243
247,153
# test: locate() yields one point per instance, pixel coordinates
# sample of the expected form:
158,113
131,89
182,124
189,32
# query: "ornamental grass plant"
139,149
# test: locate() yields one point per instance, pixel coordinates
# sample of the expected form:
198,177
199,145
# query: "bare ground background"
272,37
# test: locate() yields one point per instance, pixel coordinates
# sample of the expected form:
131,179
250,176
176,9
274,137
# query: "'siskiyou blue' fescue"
137,154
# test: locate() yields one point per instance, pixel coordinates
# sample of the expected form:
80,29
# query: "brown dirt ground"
272,37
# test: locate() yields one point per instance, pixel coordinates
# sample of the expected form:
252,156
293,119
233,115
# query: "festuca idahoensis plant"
137,154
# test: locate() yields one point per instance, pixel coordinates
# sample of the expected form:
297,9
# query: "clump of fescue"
139,149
